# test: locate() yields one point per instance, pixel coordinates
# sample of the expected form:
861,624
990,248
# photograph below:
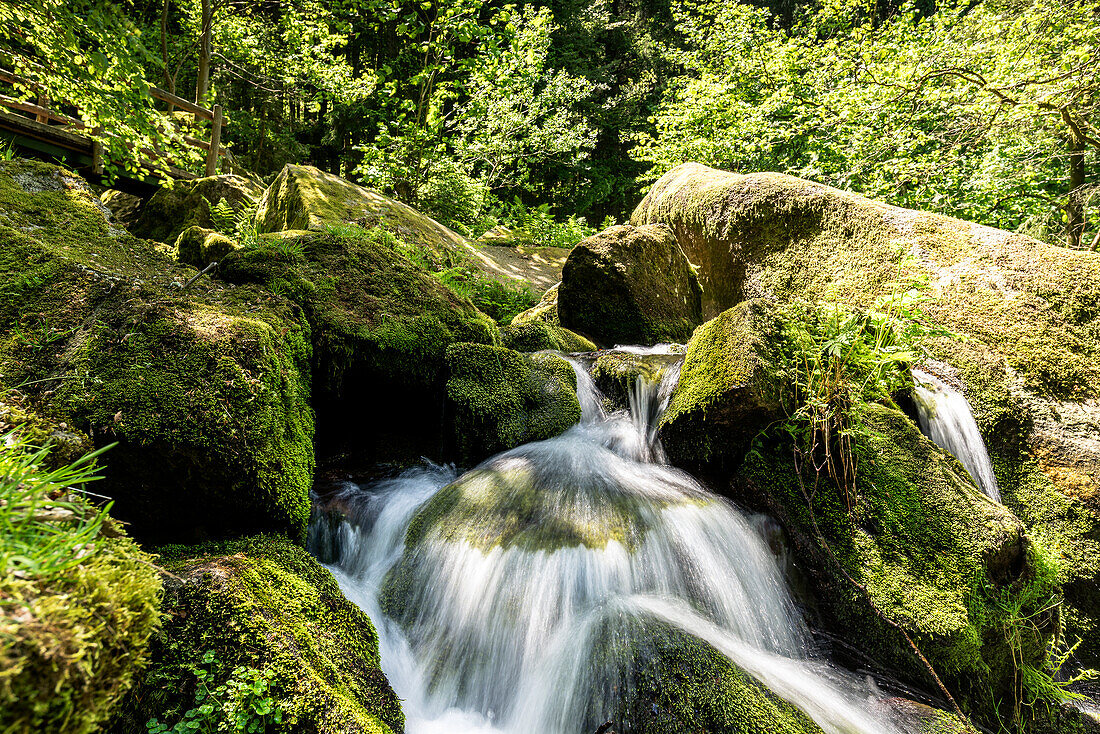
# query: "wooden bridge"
34,127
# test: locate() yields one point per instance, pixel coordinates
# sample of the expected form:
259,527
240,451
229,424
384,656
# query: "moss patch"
266,604
629,285
498,398
205,390
536,336
935,555
199,247
180,204
727,390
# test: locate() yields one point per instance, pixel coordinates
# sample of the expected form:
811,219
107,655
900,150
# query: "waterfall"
946,418
513,573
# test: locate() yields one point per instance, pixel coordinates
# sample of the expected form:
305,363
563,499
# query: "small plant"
243,703
46,526
222,216
537,226
7,152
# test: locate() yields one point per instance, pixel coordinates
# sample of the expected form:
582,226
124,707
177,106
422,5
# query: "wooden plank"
215,142
203,145
38,111
52,134
158,93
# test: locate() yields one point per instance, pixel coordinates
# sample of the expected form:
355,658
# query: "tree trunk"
202,87
1075,202
169,82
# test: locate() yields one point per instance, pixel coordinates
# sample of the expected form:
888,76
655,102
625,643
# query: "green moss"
615,373
498,398
535,336
545,311
934,555
205,390
199,247
181,204
629,285
662,680
71,643
727,390
266,604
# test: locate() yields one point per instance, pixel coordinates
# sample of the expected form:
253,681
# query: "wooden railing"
43,115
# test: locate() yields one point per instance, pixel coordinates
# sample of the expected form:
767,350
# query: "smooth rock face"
630,285
206,390
1028,312
265,604
180,204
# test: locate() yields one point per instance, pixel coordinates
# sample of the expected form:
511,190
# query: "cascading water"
500,583
946,418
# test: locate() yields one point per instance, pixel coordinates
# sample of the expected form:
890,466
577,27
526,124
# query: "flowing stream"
946,418
497,636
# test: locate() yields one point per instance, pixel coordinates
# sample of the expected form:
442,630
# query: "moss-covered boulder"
728,389
546,310
262,609
915,543
78,599
380,325
198,247
1028,314
537,336
180,204
205,390
629,285
304,197
657,679
498,398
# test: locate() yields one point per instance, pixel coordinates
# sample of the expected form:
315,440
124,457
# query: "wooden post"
215,142
43,117
97,156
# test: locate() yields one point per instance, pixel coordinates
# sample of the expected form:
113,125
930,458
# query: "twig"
198,275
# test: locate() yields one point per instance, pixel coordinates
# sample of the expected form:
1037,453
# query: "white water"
500,641
946,418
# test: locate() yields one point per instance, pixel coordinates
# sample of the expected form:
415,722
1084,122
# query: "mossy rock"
629,285
727,391
307,198
657,679
1027,312
72,642
498,398
545,311
380,327
180,204
537,336
935,555
198,247
206,390
265,604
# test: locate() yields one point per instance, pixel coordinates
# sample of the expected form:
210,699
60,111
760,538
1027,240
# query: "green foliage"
535,225
64,664
972,110
222,216
47,526
837,360
242,703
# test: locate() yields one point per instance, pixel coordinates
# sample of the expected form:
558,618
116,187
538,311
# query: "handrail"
44,115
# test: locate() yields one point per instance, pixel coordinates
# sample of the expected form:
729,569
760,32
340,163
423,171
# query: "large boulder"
78,601
179,204
537,336
728,390
498,398
205,390
1024,318
304,197
261,612
380,326
629,285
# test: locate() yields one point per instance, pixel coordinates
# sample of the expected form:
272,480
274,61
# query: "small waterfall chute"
490,590
946,418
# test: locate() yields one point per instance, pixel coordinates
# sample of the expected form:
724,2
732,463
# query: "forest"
478,112
607,367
